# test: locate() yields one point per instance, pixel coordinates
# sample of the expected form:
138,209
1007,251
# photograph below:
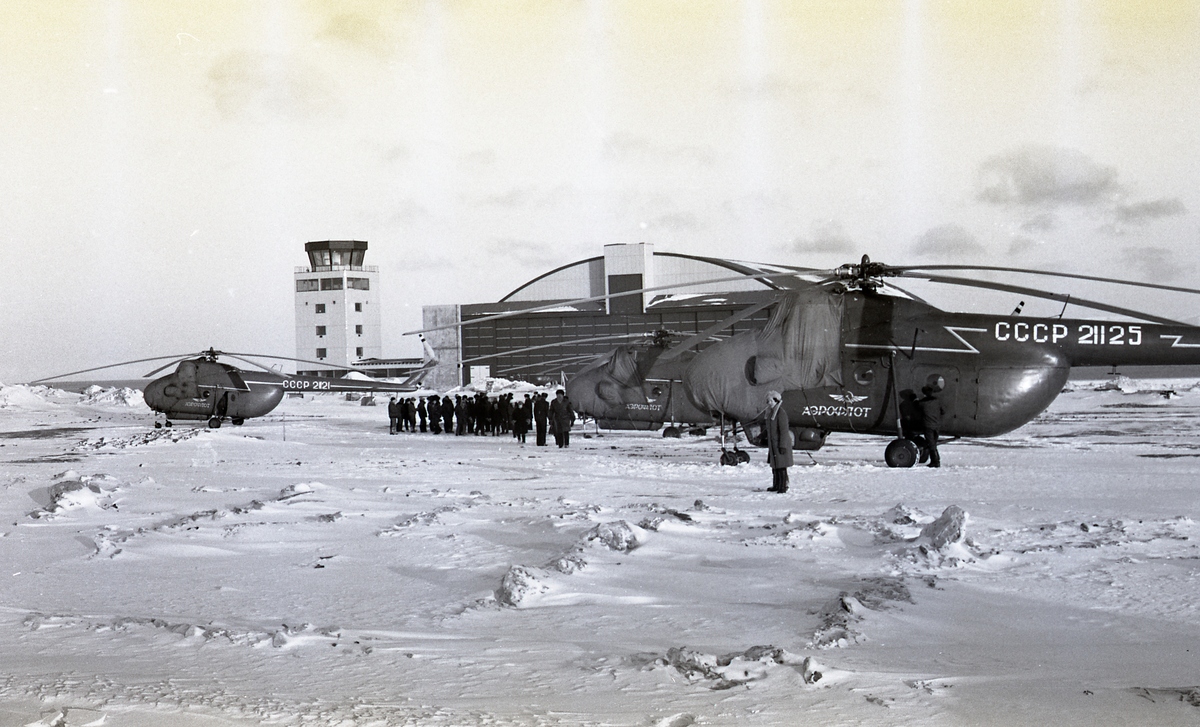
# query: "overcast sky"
165,161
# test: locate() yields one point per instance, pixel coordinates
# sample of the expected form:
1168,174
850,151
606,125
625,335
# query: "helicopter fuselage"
202,389
991,374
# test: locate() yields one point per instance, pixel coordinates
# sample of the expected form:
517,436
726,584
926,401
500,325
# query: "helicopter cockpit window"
751,375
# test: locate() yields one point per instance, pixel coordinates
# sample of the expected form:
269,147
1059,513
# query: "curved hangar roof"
586,278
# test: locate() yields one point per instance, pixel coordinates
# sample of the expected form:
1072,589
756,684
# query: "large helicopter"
846,357
203,388
847,353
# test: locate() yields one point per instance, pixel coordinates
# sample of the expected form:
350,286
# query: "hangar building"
557,334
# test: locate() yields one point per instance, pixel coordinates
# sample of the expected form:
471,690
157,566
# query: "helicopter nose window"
751,363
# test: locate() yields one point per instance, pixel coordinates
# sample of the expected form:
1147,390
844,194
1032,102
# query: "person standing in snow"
423,413
393,416
779,442
562,416
520,421
931,416
541,412
434,408
460,416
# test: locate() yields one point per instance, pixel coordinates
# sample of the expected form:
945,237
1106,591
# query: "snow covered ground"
309,569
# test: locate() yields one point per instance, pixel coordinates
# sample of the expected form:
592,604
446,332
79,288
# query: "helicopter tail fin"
430,362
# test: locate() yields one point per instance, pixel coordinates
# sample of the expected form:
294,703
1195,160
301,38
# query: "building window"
358,307
358,283
358,330
358,352
321,353
306,286
331,283
320,331
320,307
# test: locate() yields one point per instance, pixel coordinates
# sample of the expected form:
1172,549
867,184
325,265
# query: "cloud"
678,221
1154,209
1044,175
827,236
635,148
245,83
1044,222
1021,245
523,252
947,241
1153,263
358,31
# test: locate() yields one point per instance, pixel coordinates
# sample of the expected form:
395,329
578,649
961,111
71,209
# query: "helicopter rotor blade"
176,357
901,271
288,358
789,276
166,366
555,362
558,344
712,330
1034,292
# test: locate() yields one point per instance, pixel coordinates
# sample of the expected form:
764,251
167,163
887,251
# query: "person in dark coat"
460,415
447,415
541,412
931,417
393,416
562,416
520,421
410,414
912,422
779,442
433,407
423,413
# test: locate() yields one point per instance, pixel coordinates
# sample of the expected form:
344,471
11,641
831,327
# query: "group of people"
483,415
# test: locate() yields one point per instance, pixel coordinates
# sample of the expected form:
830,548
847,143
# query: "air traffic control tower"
337,307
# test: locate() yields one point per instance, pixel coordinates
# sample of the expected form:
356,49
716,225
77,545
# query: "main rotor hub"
865,275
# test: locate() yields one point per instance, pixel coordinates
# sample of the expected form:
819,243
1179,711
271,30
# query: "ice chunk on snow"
948,528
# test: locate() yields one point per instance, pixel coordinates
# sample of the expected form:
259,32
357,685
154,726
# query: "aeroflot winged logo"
847,398
845,407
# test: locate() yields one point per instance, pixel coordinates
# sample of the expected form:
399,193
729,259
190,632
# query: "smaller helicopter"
204,388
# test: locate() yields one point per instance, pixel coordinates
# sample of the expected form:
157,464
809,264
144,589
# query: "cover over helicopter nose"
797,349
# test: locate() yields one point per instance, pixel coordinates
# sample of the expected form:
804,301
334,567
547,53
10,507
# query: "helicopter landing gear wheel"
729,458
214,423
742,456
237,421
900,453
671,432
158,425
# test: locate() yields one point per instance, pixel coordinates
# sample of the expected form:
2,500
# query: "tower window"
305,286
358,330
321,352
358,307
358,352
320,307
320,330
